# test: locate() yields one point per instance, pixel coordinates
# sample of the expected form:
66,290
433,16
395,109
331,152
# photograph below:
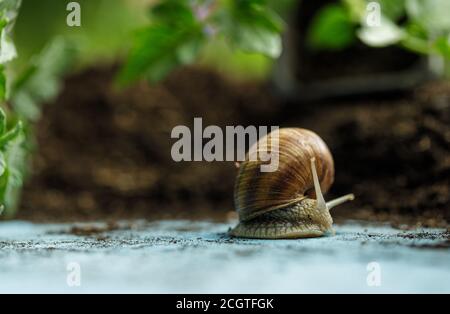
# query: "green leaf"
26,106
8,13
433,15
180,28
12,179
4,179
254,39
356,9
11,135
256,12
331,29
10,140
188,52
172,12
2,163
442,46
7,49
158,48
252,27
12,165
159,70
185,54
2,84
2,121
393,10
387,33
41,81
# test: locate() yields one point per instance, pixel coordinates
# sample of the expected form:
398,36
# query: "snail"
286,203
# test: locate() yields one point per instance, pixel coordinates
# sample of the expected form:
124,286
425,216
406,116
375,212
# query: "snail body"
286,203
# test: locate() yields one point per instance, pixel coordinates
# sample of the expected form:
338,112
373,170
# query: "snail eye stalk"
321,204
320,200
340,200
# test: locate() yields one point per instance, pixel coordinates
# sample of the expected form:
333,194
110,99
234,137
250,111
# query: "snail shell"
283,203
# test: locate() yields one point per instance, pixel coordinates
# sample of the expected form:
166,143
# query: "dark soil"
105,153
392,152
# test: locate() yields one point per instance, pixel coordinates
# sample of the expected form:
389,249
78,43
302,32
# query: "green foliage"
2,84
332,29
431,15
40,81
8,14
104,34
171,40
251,26
387,33
11,162
11,130
426,29
20,98
422,26
180,29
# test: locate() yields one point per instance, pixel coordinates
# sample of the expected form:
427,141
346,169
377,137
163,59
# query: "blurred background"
99,125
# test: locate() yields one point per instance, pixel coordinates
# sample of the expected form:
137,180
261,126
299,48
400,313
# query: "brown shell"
258,192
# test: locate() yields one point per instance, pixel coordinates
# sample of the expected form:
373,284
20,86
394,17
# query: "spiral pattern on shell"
257,192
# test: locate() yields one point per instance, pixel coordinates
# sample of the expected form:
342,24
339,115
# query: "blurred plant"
180,29
11,157
40,81
421,26
332,28
8,14
100,39
37,84
11,135
20,99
